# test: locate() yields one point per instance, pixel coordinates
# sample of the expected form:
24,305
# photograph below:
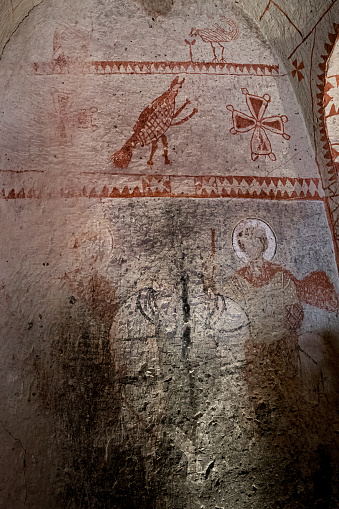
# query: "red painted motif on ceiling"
322,101
152,124
191,43
275,188
297,72
69,117
280,9
328,98
259,124
21,194
217,37
175,186
62,65
334,152
333,111
64,42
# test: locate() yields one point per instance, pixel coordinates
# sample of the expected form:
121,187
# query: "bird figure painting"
152,124
217,36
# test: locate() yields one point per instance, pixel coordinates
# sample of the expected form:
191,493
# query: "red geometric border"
174,186
320,103
106,67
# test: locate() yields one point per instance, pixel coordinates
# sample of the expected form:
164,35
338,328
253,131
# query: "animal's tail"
234,32
122,157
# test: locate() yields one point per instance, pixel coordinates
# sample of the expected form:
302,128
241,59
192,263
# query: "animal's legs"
222,53
154,147
215,59
165,144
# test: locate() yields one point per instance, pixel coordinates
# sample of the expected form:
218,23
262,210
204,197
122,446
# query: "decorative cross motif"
298,70
67,117
242,123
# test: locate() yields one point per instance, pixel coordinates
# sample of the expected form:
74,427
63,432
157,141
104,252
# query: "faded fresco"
169,291
220,345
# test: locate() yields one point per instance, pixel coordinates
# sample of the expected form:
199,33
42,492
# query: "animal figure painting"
152,124
217,36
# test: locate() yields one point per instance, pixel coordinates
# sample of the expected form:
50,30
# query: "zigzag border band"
173,186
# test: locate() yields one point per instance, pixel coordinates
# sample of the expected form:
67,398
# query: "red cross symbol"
242,123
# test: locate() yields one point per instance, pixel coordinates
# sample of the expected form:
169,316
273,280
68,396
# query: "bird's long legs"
222,53
154,148
215,59
165,144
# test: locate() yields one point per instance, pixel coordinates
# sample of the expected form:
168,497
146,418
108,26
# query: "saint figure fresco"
209,366
272,298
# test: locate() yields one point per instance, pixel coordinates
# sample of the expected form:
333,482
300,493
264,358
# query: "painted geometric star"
242,123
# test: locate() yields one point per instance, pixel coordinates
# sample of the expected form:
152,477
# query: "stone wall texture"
169,284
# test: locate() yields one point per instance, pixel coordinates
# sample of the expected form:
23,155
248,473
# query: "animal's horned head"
193,32
176,84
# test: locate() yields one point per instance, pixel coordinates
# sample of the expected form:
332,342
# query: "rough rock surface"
169,293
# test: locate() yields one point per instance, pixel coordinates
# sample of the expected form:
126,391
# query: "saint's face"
253,242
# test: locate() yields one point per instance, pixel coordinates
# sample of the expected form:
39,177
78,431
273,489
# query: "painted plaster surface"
331,102
305,37
131,409
12,13
81,108
302,34
169,287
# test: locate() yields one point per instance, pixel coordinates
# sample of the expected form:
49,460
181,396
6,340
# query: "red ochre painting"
193,146
169,289
217,36
152,125
268,158
259,124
